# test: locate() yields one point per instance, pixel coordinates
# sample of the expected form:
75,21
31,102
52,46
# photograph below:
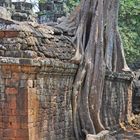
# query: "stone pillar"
23,11
50,11
49,102
13,103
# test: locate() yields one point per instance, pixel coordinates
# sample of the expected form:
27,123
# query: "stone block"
9,133
8,138
2,34
15,76
14,122
12,83
12,104
30,83
15,68
24,76
21,133
10,34
103,135
24,61
22,83
6,74
2,52
26,69
2,87
11,90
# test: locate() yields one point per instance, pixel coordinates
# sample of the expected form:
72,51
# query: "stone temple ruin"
51,10
36,85
136,87
36,79
20,11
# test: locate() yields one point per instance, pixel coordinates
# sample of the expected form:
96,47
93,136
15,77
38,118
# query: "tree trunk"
97,40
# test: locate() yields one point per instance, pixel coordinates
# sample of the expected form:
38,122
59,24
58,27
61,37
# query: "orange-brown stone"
11,91
2,34
10,34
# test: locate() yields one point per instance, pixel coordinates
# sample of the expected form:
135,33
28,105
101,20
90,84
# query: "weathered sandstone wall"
36,82
35,99
117,100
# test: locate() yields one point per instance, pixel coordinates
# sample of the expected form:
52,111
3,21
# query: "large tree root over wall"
95,35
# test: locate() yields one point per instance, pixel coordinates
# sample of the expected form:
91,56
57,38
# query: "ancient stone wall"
22,11
13,103
136,87
35,99
117,100
51,115
36,82
136,93
19,11
36,77
6,3
51,10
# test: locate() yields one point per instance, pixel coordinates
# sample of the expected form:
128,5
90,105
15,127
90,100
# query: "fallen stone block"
103,135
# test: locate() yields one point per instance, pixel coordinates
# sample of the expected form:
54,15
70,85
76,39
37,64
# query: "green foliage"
71,4
41,1
129,23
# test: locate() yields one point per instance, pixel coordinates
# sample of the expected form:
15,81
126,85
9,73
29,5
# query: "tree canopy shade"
94,25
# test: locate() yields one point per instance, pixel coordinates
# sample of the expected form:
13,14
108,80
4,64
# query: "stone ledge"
34,62
44,66
8,34
124,76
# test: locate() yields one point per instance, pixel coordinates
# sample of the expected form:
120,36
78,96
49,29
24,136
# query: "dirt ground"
131,132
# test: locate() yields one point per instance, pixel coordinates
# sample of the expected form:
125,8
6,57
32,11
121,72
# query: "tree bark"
99,48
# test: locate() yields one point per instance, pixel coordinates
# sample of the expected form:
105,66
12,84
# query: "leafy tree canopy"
41,1
70,4
129,23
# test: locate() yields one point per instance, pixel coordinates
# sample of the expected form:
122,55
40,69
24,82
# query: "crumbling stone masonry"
20,11
117,100
35,99
36,79
6,3
35,83
51,10
136,86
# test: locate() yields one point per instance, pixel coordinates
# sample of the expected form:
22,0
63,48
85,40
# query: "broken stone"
103,135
